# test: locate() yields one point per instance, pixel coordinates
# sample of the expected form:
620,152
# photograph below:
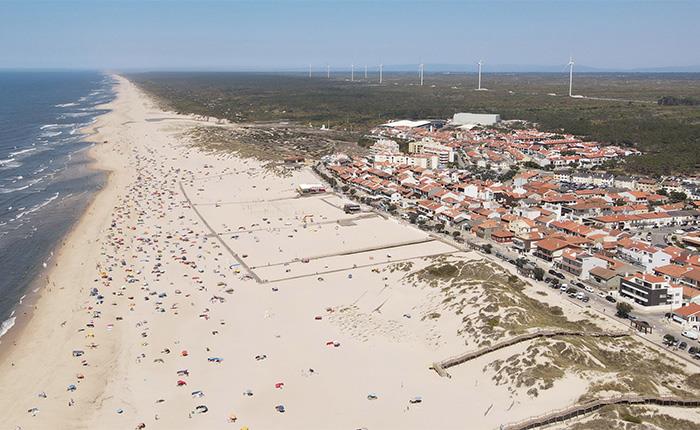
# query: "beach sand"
167,244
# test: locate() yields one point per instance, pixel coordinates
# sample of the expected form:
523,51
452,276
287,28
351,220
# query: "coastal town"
545,203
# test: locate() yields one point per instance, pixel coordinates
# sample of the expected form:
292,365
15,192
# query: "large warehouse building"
472,119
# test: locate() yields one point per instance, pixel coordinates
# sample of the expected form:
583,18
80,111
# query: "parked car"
589,289
585,299
611,299
563,288
669,339
682,346
601,293
559,275
580,295
690,334
580,284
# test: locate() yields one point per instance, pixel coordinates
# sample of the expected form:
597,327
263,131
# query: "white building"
467,119
445,154
426,161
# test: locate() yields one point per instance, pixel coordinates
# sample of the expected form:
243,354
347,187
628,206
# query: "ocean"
45,182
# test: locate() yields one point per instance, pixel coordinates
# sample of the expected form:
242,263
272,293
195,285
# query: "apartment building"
651,291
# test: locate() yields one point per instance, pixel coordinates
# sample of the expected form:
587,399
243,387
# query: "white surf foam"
7,325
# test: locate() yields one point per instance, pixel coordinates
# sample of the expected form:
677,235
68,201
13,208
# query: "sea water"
45,181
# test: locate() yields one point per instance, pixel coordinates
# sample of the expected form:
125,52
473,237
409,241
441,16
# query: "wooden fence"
440,366
588,407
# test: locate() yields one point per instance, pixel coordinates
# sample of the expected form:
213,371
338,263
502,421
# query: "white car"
602,294
589,289
690,334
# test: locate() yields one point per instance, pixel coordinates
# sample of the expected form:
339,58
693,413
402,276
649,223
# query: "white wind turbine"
571,76
365,72
352,72
478,86
381,70
328,71
420,68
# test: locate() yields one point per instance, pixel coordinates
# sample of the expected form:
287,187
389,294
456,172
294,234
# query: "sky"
266,35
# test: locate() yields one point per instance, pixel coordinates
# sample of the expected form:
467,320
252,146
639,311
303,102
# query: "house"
429,208
605,279
502,236
524,244
688,316
643,254
691,278
486,228
690,295
522,227
650,290
672,272
579,263
551,248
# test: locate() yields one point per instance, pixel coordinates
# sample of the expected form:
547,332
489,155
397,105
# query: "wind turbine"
381,69
309,69
352,72
480,63
365,72
571,75
328,71
420,68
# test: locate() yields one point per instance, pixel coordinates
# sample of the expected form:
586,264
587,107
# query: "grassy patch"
492,302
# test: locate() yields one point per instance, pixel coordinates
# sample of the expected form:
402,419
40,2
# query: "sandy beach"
200,291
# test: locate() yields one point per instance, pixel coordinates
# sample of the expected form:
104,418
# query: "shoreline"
70,250
25,309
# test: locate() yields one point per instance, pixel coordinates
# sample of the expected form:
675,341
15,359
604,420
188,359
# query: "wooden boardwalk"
578,410
440,366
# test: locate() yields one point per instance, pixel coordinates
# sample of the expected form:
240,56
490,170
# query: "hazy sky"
267,34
